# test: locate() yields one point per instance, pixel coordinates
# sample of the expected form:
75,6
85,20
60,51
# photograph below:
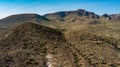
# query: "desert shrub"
31,61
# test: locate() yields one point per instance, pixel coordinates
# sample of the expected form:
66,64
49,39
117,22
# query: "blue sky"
10,7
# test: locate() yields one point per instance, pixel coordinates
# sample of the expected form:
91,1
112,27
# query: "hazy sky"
9,7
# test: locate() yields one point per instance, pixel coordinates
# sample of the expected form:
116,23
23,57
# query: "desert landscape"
59,33
63,39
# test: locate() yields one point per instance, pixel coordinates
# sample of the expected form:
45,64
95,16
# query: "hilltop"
19,18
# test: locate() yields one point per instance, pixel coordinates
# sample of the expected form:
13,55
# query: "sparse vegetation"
89,41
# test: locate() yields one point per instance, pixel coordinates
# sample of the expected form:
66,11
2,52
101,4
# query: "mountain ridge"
75,15
19,18
79,16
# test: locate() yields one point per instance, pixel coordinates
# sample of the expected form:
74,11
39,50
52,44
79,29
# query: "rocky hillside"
115,16
33,45
16,19
72,16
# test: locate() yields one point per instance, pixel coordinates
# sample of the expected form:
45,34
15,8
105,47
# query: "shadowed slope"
16,19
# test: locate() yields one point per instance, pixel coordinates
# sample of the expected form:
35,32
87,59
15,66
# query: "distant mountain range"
73,16
76,16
